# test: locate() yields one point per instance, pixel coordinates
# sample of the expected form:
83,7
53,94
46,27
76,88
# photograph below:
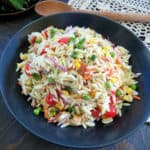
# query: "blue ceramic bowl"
77,137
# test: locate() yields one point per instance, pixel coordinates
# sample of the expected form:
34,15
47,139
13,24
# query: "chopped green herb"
107,85
38,40
118,93
93,57
75,34
112,54
80,44
52,32
53,112
86,97
70,109
133,86
74,54
68,88
51,80
37,111
36,76
72,39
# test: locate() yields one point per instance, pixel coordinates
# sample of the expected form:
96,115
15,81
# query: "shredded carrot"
83,68
104,58
77,118
110,72
118,61
90,70
136,97
70,68
92,93
53,48
87,77
78,97
45,109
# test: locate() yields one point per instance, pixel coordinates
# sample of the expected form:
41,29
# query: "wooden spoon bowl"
44,8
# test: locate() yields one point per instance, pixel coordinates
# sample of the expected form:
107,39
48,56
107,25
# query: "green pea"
38,40
52,32
93,57
86,97
51,80
107,85
118,93
37,111
80,44
74,54
36,76
112,54
133,86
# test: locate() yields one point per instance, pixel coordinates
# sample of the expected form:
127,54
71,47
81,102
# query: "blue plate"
77,137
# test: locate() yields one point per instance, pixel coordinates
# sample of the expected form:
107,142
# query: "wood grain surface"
14,137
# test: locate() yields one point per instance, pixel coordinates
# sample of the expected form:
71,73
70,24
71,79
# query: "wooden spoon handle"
121,16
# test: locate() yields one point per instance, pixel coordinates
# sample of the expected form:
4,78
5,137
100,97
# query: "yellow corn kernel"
59,105
42,101
65,93
128,90
92,40
119,65
20,66
23,56
106,48
77,64
113,80
127,98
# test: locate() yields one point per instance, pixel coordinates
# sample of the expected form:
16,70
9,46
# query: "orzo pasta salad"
75,77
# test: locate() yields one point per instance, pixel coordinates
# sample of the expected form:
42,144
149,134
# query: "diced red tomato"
50,99
33,39
27,69
96,112
112,109
64,40
112,93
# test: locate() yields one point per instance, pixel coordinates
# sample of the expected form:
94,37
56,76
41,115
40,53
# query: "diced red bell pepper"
27,69
45,33
96,112
64,40
50,99
43,51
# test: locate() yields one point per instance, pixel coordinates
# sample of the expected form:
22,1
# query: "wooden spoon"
47,7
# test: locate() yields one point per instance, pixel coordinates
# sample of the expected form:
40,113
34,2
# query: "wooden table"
14,137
